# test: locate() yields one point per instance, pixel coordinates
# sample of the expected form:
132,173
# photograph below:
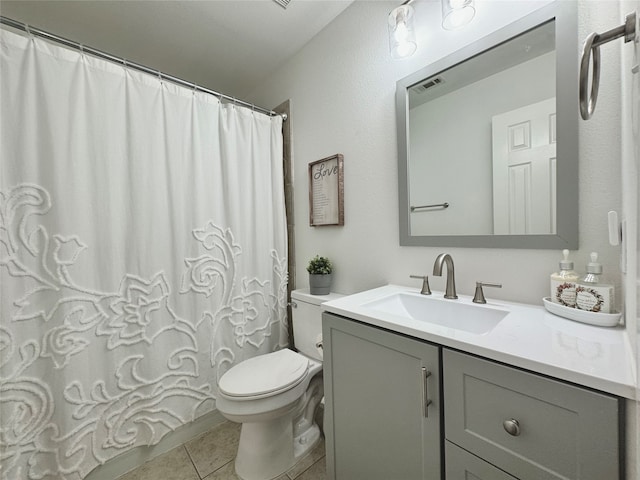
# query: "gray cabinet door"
377,425
461,465
533,427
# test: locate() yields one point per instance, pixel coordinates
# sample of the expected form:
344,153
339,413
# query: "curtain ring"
27,28
588,99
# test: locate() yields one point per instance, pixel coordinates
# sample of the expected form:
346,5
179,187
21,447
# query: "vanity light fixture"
457,13
402,38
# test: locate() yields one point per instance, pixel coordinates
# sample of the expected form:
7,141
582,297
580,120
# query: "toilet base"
266,451
304,442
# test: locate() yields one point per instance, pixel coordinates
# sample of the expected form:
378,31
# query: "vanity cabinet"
405,409
530,426
461,465
382,416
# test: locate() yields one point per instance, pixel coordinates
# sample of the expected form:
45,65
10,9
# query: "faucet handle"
479,296
425,284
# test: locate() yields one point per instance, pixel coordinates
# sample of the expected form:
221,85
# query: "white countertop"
528,337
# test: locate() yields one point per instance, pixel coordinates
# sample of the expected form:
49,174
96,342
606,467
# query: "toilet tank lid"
303,295
264,374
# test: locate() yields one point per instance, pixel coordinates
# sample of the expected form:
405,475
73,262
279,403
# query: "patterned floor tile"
215,448
305,462
318,471
227,473
173,465
213,455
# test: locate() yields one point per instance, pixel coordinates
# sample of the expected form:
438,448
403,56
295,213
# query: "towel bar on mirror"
435,205
591,48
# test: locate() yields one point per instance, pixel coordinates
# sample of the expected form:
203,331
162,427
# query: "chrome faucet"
425,284
445,258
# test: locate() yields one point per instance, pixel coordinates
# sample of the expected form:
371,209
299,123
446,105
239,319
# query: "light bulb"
458,18
457,13
405,49
401,32
402,41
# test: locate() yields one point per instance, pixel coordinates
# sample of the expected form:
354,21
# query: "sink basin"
469,317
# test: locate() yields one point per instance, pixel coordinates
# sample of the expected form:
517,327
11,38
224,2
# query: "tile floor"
210,457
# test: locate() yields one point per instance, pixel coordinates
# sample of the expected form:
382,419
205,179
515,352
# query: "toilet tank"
307,320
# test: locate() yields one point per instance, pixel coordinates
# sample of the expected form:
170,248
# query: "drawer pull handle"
512,427
425,391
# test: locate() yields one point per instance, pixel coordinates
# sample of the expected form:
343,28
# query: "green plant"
319,266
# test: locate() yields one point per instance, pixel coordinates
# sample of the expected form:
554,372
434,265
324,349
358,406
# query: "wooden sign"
326,191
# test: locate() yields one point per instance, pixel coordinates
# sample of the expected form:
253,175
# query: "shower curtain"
142,253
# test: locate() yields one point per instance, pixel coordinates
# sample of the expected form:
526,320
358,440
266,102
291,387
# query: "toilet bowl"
275,397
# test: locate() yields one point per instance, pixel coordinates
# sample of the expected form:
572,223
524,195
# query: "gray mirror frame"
566,27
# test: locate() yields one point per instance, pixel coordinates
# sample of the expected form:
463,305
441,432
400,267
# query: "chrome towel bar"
591,48
436,205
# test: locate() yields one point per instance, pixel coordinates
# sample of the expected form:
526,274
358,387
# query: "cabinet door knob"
512,427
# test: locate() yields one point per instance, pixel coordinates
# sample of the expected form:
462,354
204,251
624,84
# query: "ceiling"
225,45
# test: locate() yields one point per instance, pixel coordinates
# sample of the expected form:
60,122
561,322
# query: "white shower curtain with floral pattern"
142,253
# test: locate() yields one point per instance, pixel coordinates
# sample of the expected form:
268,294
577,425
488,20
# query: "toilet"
274,396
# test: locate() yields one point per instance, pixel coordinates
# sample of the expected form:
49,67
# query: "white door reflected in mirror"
524,170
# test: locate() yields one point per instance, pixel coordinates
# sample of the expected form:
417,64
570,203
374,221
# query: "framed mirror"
488,140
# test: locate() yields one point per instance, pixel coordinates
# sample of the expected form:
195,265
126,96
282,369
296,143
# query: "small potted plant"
319,269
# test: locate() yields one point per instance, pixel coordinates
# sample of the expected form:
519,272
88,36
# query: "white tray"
592,318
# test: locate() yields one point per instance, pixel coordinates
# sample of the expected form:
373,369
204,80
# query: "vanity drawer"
461,465
528,425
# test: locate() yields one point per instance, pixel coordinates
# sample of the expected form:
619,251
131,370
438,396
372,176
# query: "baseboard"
132,459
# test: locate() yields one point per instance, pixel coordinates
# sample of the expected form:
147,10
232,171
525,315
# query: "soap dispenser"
563,283
591,295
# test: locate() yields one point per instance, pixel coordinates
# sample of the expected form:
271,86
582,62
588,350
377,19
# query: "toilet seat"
265,375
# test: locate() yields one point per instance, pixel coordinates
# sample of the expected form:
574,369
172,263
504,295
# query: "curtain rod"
137,66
